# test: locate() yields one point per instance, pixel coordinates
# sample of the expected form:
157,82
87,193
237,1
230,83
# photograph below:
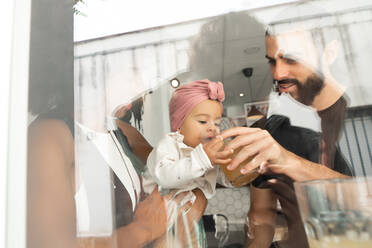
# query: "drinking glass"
236,178
336,212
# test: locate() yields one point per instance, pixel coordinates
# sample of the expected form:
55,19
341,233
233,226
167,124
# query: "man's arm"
300,169
271,156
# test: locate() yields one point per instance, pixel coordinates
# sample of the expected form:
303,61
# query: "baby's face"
202,124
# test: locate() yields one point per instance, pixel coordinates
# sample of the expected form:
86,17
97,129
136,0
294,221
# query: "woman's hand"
149,223
194,212
214,153
151,216
199,206
187,232
193,216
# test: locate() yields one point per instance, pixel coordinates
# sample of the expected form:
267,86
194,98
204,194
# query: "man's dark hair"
308,17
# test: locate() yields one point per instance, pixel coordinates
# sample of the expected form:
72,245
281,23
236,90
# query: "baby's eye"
217,124
202,122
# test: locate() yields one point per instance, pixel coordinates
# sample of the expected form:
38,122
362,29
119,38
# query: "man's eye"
290,61
271,62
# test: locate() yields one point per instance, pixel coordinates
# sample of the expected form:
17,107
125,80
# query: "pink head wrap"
187,96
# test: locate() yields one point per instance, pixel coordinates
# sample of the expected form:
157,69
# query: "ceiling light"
175,83
241,94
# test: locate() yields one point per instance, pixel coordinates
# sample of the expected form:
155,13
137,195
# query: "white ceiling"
226,45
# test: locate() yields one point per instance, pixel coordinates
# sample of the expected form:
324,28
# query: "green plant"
76,11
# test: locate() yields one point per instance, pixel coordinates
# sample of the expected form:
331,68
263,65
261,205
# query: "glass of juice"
336,212
236,178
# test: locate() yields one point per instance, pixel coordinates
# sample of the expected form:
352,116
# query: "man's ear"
331,52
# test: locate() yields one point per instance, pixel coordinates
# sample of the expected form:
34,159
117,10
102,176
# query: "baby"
185,159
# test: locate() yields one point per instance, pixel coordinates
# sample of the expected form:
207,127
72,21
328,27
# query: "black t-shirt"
301,141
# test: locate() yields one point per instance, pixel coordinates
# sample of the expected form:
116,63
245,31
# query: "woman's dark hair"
45,96
135,111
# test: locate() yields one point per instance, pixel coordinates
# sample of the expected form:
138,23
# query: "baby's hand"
215,154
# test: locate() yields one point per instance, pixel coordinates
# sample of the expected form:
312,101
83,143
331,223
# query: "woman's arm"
149,223
141,148
150,219
51,218
189,236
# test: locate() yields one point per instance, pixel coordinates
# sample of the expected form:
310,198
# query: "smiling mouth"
286,86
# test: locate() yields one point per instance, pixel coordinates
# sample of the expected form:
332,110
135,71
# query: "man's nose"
280,70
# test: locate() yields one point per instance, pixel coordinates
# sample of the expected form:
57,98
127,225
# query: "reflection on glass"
336,213
235,177
219,48
85,181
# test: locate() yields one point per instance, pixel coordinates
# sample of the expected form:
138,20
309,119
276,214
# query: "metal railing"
356,139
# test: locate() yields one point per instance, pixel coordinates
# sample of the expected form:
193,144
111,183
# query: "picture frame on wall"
254,111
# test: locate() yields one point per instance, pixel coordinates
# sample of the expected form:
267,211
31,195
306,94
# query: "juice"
339,242
236,178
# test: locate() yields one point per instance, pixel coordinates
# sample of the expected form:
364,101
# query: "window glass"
142,139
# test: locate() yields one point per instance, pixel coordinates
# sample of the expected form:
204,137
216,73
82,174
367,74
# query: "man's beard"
310,89
307,91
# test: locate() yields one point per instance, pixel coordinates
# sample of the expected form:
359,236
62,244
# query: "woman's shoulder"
51,135
49,127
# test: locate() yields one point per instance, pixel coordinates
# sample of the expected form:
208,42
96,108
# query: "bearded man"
300,64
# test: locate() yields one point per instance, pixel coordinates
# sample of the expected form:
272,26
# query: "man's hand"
213,150
254,142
